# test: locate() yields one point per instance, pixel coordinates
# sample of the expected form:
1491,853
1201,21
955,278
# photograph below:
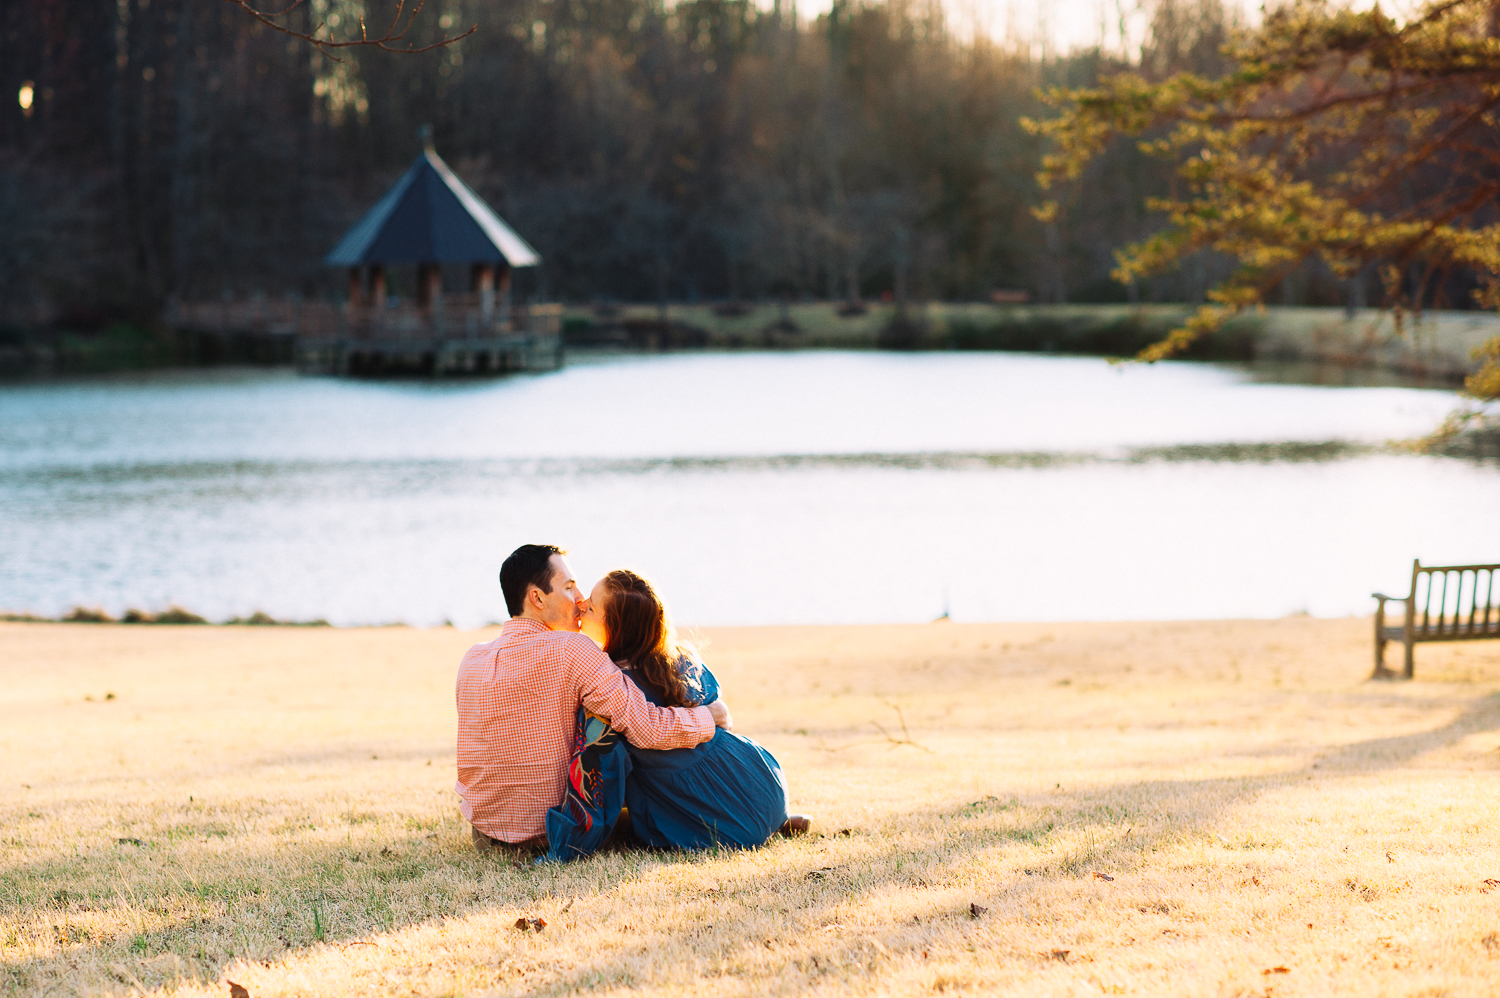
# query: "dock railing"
457,333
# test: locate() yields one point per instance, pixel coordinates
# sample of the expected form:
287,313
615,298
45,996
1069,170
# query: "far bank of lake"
1361,347
1436,347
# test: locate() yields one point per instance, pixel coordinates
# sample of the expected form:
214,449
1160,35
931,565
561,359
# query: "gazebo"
430,219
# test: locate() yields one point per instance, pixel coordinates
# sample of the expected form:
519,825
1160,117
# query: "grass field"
1080,809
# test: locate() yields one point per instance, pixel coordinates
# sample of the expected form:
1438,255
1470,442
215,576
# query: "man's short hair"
528,565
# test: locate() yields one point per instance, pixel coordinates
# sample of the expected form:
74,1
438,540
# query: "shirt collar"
516,627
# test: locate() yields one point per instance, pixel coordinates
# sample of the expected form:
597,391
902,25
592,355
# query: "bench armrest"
1393,599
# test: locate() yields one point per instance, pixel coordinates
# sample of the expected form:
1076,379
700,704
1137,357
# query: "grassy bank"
1155,809
1441,345
126,346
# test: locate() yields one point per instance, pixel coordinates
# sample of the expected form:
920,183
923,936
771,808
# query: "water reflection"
1329,375
229,477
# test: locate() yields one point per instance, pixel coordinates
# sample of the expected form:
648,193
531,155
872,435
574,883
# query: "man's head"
538,584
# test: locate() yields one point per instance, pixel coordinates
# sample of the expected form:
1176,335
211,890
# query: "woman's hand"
721,714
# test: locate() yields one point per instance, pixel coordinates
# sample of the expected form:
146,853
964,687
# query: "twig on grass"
905,738
888,738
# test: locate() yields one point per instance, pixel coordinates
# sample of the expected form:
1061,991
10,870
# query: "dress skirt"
728,792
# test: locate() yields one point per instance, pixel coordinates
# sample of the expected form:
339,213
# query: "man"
518,698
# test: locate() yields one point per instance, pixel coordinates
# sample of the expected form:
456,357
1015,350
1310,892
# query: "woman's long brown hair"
635,620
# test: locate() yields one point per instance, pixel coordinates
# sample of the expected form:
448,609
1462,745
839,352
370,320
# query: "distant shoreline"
1438,347
171,615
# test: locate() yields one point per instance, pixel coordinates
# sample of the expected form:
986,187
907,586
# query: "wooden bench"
1470,613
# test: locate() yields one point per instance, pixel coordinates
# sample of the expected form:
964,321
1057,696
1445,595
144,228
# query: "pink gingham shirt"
518,699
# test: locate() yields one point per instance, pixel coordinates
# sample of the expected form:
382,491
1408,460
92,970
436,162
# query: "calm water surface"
755,488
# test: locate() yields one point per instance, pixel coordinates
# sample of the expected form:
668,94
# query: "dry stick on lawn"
394,32
906,738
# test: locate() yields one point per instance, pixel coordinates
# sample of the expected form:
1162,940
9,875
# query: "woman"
726,792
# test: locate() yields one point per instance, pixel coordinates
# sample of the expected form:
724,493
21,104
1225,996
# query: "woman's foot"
794,825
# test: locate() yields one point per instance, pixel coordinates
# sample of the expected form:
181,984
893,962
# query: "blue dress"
726,792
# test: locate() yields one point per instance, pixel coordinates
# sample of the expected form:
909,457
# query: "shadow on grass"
122,916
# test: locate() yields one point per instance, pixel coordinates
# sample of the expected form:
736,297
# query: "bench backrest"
1453,600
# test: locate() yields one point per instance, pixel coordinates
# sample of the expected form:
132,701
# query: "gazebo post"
377,286
354,287
504,282
376,301
484,285
429,285
430,299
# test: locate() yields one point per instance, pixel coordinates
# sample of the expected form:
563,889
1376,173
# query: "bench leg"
1381,672
1411,659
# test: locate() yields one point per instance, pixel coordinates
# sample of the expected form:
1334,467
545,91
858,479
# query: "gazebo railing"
455,316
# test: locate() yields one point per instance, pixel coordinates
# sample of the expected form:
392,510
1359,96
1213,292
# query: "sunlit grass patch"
1164,823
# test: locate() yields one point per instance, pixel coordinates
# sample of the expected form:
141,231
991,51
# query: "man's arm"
608,692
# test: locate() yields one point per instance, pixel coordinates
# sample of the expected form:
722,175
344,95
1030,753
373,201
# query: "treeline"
704,150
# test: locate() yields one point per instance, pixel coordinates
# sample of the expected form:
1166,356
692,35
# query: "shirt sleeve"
606,691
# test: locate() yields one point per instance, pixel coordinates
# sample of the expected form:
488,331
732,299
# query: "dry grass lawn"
1075,809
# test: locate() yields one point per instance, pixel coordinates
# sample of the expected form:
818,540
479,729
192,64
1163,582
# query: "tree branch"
395,32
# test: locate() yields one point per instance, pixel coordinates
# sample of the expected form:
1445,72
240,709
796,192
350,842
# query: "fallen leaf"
1309,925
1102,876
238,990
1060,954
129,842
1277,970
846,832
975,910
1492,882
386,851
1255,881
538,924
522,924
1389,858
567,906
820,873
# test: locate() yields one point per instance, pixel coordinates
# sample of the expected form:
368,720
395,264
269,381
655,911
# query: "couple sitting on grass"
586,723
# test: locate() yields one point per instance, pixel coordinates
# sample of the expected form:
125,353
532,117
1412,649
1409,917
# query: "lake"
813,487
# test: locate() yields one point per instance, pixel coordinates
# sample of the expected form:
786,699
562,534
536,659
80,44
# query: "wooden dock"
457,334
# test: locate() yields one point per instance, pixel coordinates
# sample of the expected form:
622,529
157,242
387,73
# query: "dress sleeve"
606,691
702,687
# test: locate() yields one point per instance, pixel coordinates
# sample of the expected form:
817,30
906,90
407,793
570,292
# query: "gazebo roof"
430,216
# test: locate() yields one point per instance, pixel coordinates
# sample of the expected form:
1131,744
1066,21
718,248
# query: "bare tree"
402,18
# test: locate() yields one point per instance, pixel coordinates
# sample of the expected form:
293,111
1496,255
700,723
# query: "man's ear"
534,596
